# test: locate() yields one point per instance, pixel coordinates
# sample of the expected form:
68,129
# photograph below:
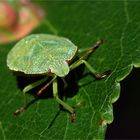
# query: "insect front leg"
88,51
66,106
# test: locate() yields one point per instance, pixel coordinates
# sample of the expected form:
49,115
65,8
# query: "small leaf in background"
7,15
16,23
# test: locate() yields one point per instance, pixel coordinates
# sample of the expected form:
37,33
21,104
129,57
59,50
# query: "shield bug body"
48,55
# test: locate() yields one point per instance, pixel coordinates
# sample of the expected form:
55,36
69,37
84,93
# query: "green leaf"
83,22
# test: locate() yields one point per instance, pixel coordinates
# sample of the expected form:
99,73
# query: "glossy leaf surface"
83,22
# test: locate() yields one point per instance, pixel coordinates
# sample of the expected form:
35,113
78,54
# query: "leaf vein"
2,130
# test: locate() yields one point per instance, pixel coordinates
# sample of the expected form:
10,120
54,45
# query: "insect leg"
35,84
83,61
65,83
90,68
44,87
29,87
26,89
66,106
88,51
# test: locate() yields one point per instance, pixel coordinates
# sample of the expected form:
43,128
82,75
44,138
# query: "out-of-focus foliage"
17,19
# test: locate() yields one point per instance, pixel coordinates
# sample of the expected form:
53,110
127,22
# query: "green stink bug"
48,55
